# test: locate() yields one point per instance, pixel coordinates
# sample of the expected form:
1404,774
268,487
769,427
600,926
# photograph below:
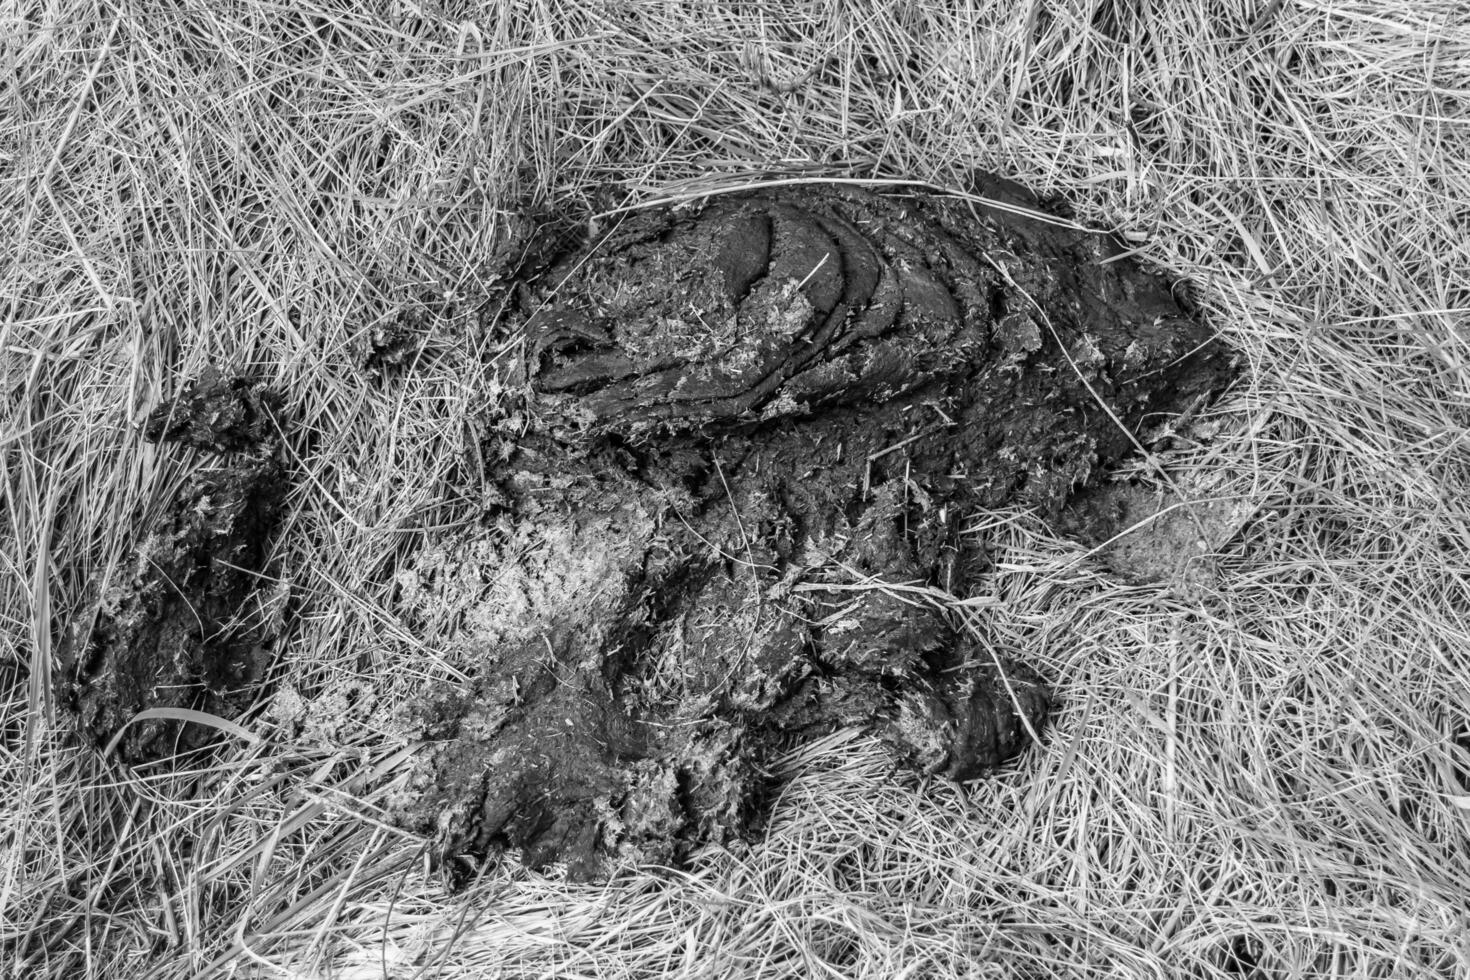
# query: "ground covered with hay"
1258,761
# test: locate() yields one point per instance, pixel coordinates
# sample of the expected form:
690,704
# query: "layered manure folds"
754,434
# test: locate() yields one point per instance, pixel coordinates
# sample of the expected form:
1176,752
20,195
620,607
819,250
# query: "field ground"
1261,771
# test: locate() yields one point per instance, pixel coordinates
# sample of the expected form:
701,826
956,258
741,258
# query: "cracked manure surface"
737,420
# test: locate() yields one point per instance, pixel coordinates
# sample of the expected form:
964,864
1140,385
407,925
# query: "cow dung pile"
730,486
753,435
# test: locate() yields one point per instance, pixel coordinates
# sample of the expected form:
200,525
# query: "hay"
1270,773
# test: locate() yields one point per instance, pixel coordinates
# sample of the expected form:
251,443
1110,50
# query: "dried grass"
1266,777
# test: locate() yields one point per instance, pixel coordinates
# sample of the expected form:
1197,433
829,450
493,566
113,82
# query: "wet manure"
171,630
753,435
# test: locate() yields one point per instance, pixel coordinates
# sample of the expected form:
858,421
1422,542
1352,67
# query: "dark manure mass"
170,629
752,438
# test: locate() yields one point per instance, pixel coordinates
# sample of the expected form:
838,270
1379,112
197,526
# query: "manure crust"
735,415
